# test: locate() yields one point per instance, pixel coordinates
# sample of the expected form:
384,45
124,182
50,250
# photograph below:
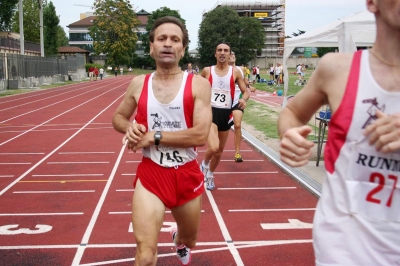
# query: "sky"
303,15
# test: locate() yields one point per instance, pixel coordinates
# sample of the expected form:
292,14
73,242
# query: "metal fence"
15,44
22,66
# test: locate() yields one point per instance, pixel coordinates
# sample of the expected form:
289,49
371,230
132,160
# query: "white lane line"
87,152
55,150
125,190
247,160
6,175
54,129
54,191
274,210
229,151
14,163
27,131
254,188
68,175
224,230
208,250
75,162
41,214
21,153
85,240
275,172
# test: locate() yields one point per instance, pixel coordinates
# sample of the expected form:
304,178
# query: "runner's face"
167,47
222,53
232,59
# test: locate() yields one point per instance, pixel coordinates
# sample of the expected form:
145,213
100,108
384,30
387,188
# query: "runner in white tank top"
357,221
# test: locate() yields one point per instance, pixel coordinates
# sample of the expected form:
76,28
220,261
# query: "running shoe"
238,158
204,169
210,181
182,252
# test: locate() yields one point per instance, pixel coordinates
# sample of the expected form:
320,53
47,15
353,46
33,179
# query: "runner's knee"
146,255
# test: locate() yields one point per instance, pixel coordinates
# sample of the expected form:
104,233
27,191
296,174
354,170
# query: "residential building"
79,31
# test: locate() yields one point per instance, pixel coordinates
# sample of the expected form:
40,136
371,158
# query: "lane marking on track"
6,175
273,210
85,239
14,163
53,191
69,175
125,190
223,173
130,212
41,214
224,230
243,160
254,188
87,152
27,131
56,129
292,224
128,174
208,250
21,153
76,162
61,181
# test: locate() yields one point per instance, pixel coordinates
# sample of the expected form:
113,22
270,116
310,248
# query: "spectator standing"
122,71
130,71
116,71
91,69
258,78
101,72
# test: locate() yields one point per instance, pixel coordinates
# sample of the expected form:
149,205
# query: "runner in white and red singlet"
173,118
357,221
222,78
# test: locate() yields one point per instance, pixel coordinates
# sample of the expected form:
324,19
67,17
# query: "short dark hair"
173,20
230,48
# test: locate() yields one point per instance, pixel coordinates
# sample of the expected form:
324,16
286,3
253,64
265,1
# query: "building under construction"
271,14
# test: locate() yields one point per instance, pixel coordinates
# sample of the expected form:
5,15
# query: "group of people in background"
276,73
94,73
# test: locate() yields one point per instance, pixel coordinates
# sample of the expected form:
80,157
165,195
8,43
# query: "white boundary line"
96,213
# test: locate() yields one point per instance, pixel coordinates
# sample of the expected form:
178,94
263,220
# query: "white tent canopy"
347,33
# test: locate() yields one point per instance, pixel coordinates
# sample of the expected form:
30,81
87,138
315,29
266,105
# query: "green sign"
307,52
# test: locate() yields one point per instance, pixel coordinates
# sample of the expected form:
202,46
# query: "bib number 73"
374,195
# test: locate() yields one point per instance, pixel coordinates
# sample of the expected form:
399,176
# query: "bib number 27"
373,195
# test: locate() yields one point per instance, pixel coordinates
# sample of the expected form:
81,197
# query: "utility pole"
41,27
21,28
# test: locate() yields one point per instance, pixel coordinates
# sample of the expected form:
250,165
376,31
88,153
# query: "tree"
159,13
324,50
113,30
245,35
50,23
62,38
7,9
30,20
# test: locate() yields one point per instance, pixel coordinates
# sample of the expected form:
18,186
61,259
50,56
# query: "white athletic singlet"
237,90
357,221
222,89
174,116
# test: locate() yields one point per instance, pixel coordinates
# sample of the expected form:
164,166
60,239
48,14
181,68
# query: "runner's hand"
295,149
384,132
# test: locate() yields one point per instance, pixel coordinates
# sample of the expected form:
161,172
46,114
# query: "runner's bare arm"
205,73
126,109
243,88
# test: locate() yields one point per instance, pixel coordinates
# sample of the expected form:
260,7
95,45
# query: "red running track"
66,190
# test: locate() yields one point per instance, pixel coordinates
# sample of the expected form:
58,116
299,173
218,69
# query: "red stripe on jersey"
340,123
210,79
232,84
188,102
141,116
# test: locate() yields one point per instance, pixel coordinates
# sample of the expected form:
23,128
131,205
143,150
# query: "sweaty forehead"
223,46
169,29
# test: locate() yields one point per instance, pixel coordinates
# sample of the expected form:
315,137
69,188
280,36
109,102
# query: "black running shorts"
221,118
